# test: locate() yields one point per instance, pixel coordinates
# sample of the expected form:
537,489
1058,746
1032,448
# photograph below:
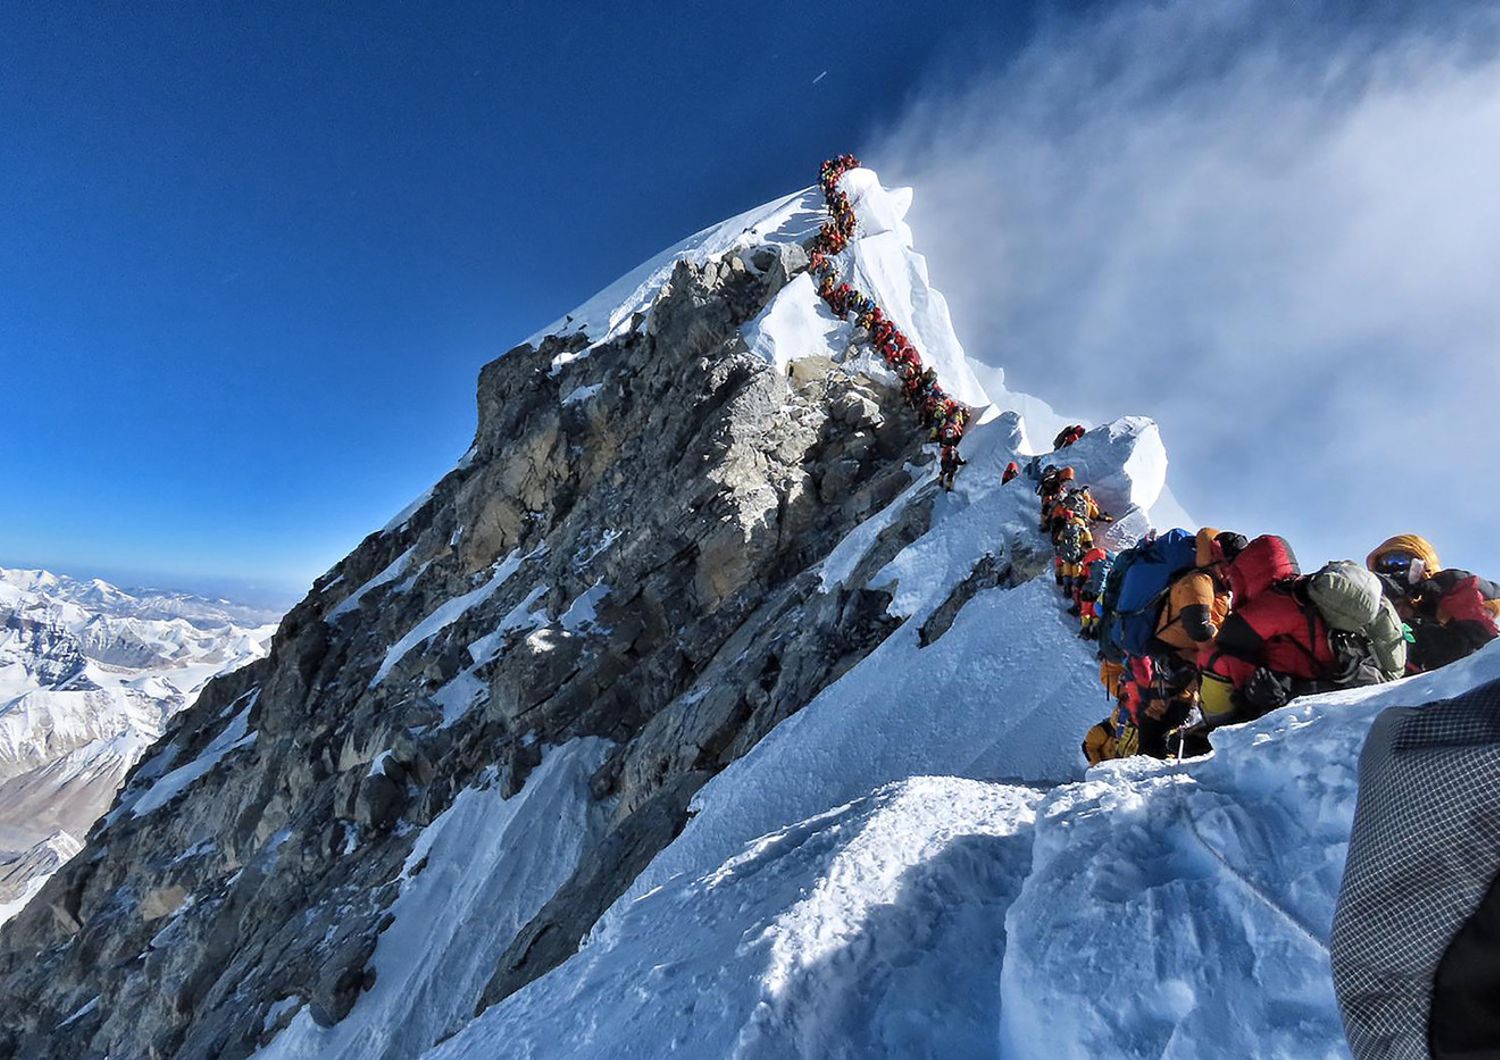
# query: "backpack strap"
1154,602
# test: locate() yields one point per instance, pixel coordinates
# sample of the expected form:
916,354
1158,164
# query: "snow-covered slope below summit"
791,219
1001,694
1153,910
828,931
874,929
981,681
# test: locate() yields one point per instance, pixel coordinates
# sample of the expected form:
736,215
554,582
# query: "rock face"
626,553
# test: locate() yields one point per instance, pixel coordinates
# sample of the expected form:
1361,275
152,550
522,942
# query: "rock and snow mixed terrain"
687,717
89,676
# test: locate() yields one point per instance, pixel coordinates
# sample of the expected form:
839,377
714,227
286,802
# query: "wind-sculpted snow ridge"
789,220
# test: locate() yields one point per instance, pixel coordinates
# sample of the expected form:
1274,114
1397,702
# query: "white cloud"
1283,243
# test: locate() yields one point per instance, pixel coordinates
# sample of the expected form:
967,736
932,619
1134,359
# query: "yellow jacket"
1197,604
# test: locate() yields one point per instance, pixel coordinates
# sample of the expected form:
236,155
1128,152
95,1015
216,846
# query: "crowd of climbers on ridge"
944,417
1200,630
1194,630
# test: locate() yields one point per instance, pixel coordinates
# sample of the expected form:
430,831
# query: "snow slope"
793,218
476,876
1006,692
831,938
1151,910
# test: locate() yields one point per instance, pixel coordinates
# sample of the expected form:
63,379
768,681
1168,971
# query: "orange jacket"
1197,604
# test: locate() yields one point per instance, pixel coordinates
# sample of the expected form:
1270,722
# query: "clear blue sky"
252,256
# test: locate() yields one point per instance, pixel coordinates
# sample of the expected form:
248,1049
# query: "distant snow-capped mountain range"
89,676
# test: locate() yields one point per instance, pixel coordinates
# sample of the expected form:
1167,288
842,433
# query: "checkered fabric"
1424,851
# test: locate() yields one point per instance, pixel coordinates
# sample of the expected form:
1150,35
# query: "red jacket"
1271,624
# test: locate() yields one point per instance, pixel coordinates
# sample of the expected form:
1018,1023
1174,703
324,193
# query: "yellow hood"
1410,545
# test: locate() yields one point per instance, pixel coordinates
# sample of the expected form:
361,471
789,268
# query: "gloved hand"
1265,691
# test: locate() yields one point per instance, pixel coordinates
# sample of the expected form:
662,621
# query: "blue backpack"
1143,588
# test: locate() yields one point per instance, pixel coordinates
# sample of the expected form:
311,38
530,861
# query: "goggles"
1393,563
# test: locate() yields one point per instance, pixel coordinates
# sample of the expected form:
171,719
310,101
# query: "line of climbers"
1200,630
1194,630
945,418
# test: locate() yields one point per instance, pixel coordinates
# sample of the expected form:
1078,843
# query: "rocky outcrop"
626,552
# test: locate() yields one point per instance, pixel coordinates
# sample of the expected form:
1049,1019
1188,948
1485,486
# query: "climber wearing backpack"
1452,613
933,409
1076,503
949,463
1198,600
1274,645
1135,590
1012,470
1095,569
1068,435
951,430
1158,693
1365,632
1074,541
1160,685
1050,486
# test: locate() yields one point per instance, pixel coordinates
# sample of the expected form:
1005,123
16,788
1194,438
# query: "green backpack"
1365,632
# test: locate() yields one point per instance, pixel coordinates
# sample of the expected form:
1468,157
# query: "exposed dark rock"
660,506
988,573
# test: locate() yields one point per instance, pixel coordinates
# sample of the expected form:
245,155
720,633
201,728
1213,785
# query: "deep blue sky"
252,256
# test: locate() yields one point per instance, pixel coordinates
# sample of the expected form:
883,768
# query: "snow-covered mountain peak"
689,683
90,676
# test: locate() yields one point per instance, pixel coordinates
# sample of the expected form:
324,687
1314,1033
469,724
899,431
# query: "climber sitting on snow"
1451,612
1012,470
